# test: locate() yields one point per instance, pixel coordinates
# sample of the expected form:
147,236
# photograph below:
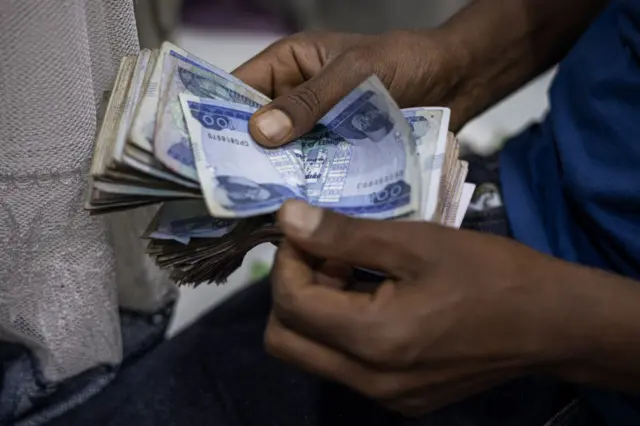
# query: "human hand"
462,311
308,74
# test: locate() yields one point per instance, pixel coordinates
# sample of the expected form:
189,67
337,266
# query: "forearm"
599,329
502,44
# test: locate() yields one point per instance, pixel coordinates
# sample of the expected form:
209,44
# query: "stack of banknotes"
174,130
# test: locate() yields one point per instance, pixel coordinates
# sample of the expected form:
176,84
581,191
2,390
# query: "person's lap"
217,372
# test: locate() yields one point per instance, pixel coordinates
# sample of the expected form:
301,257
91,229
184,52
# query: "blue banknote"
144,125
186,57
361,160
369,153
186,219
238,177
172,143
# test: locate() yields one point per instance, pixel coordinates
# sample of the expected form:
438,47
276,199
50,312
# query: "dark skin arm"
485,52
463,311
504,44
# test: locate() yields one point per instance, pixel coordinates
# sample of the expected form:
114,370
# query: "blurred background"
228,32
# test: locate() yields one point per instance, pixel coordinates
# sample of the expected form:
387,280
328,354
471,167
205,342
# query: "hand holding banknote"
178,130
434,331
307,74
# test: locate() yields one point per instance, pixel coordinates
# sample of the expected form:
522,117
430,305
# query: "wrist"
593,337
550,309
427,65
455,83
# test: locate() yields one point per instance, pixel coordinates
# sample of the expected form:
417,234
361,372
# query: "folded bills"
175,131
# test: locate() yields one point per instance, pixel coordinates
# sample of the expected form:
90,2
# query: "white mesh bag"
67,280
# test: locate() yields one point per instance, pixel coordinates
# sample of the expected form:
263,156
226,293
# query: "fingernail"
274,124
300,218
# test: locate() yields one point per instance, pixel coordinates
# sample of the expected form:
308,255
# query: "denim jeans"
217,373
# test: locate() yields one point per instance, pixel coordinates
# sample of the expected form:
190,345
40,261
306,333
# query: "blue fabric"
571,185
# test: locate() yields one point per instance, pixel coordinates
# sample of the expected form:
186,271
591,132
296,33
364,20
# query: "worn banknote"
183,220
172,145
238,177
430,128
176,130
372,170
144,124
360,161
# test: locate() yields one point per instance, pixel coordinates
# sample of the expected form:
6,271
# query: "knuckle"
306,100
296,38
281,50
360,60
352,235
341,230
286,305
381,354
389,349
302,36
308,37
278,47
355,55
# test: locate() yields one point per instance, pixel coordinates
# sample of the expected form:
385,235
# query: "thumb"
295,113
377,244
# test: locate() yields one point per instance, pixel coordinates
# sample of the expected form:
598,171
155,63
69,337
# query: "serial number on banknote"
393,177
227,139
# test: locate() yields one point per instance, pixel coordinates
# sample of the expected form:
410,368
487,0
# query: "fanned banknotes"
175,131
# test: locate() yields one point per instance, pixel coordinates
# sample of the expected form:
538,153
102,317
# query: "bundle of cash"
175,131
